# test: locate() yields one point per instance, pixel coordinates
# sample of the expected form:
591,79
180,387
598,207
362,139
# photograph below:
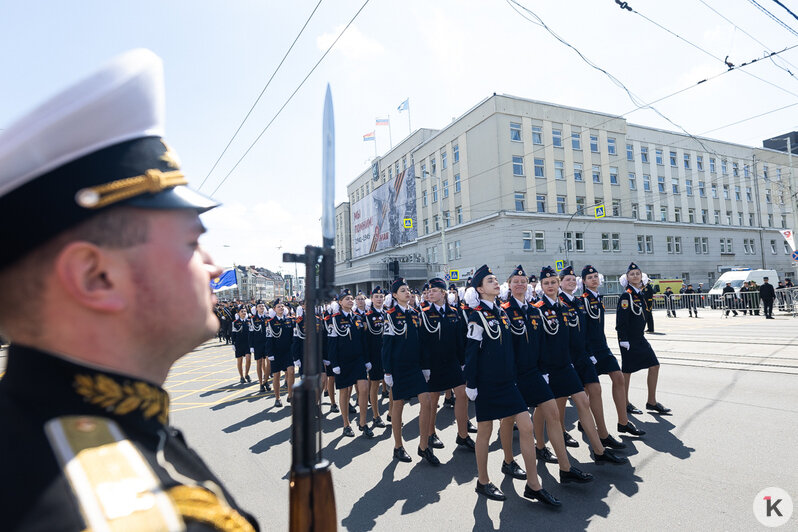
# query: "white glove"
388,380
426,374
326,362
471,393
271,359
625,345
593,360
462,368
298,363
546,378
252,350
368,366
337,370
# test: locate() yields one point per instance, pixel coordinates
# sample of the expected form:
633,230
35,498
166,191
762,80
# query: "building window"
699,162
537,135
764,171
433,165
686,161
673,158
456,153
661,183
539,168
704,244
739,218
688,186
541,202
447,218
630,152
613,175
526,238
697,242
641,244
611,150
735,169
423,171
436,222
515,132
424,198
596,174
458,212
456,183
646,182
714,190
556,138
783,222
634,211
702,191
540,241
426,226
724,168
616,207
580,203
649,244
677,214
644,154
747,173
669,244
434,193
663,214
770,220
704,216
650,213
728,218
519,201
691,216
577,171
675,185
717,217
605,242
773,247
558,170
444,160
610,242
445,188
396,168
712,164
576,141
518,165
726,245
390,173
574,241
456,249
768,199
658,157
404,163
594,143
632,181
616,242
561,204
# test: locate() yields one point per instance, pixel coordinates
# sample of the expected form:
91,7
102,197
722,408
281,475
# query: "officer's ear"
91,276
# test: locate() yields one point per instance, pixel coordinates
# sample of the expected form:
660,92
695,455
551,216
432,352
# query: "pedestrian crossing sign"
454,275
600,211
559,265
408,223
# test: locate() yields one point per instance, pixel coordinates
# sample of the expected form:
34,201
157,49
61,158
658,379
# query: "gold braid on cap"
153,181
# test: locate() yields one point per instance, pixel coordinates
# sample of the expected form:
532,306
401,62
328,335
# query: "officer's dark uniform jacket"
630,322
257,335
240,334
490,363
402,356
525,330
280,336
347,347
442,338
90,418
596,341
298,343
577,337
374,325
555,345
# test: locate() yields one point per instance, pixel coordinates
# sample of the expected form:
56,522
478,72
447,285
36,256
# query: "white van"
737,276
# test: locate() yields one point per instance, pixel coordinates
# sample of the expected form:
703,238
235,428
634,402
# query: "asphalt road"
732,384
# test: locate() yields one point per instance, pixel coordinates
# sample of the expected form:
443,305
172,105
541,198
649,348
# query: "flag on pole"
789,236
383,122
369,136
405,105
226,280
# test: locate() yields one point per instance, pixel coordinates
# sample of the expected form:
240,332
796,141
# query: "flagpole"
409,127
375,142
390,137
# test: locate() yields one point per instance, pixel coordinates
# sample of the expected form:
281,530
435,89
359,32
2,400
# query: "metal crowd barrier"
746,302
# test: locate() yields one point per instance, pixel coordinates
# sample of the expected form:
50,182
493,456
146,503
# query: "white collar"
487,303
594,293
566,294
403,309
521,304
551,301
345,313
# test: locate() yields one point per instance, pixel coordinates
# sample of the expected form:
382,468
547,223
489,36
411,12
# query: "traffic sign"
408,223
600,211
454,275
446,277
795,255
559,265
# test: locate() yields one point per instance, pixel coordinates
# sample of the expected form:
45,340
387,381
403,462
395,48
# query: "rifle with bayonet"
312,499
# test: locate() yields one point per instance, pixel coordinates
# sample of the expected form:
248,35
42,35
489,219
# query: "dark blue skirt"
445,378
408,385
640,356
498,401
281,362
565,382
586,371
534,389
376,373
260,350
606,362
351,372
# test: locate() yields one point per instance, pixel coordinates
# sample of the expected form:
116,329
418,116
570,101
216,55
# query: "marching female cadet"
281,336
347,352
576,318
328,384
298,343
490,383
636,352
240,332
257,345
556,367
406,372
599,352
442,338
375,316
525,333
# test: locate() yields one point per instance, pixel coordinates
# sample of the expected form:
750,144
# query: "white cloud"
354,45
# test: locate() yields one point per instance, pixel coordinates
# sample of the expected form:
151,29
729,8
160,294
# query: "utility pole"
759,214
793,188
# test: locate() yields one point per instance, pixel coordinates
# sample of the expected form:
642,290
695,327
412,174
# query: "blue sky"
444,55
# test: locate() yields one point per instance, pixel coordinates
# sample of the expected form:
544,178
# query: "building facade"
520,181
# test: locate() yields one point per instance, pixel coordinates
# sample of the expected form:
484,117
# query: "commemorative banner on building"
379,219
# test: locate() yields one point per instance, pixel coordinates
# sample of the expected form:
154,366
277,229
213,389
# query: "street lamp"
565,233
445,262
